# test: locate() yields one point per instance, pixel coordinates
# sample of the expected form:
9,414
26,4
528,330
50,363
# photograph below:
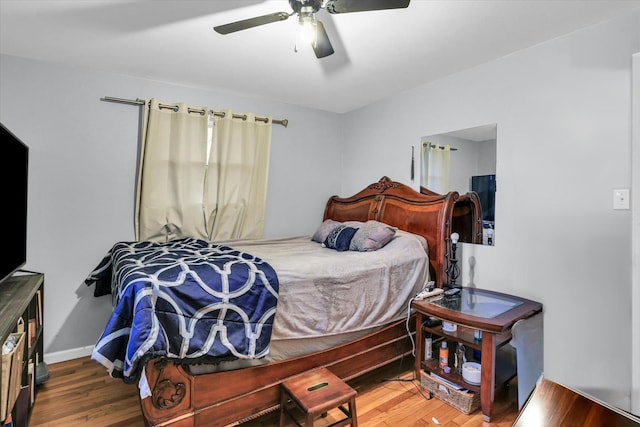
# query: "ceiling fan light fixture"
307,26
310,30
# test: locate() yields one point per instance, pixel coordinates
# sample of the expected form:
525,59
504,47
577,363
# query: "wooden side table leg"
309,421
352,411
283,412
488,378
419,344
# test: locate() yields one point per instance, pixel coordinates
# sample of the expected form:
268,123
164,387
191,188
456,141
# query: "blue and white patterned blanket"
186,299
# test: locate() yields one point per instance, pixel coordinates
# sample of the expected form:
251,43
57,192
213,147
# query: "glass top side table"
491,312
477,303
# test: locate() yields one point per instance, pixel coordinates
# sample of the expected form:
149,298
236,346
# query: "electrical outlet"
621,199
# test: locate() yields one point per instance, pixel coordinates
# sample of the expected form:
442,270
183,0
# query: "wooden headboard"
400,206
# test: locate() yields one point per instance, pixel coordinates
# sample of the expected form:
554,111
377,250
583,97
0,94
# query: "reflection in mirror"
464,161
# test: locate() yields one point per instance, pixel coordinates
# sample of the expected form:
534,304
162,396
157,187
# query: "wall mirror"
464,161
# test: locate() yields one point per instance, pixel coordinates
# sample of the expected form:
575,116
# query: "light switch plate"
621,198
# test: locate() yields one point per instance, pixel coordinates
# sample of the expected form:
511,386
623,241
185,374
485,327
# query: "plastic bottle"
444,355
427,347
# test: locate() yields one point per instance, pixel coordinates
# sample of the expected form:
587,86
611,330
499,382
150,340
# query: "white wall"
563,114
83,155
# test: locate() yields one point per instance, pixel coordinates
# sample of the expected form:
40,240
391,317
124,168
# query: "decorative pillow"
340,237
323,231
372,236
354,224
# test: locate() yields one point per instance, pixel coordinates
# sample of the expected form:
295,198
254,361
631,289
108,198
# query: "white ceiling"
378,54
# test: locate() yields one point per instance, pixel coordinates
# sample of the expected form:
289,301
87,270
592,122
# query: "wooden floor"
80,393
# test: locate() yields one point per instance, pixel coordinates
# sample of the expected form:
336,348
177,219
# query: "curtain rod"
432,145
283,122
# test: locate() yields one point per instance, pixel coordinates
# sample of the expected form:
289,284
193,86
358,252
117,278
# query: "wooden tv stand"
22,296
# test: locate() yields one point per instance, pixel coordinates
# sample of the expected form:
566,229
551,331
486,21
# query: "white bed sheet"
327,297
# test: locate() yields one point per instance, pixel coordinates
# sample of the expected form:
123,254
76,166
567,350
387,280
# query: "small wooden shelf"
504,373
22,296
466,336
432,365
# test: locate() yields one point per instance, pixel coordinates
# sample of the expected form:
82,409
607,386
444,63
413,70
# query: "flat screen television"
14,174
485,186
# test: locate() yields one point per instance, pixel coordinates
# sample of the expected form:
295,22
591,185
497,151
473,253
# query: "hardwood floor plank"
80,393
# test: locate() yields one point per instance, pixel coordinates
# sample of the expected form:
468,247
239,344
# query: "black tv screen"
13,193
485,186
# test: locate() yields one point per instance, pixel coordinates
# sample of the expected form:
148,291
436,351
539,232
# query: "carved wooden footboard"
181,399
218,399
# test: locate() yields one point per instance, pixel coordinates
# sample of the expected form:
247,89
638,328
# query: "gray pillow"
371,236
323,231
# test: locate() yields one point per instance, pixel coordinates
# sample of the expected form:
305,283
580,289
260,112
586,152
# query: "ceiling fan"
311,29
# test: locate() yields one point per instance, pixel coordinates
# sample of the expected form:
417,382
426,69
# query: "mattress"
328,297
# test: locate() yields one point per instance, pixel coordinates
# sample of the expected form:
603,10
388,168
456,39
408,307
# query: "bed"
314,324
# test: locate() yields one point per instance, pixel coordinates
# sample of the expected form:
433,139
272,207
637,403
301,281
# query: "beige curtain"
435,167
236,184
171,172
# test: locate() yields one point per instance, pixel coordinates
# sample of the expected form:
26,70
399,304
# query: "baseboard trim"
63,356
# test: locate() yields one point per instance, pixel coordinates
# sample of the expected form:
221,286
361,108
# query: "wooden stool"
314,393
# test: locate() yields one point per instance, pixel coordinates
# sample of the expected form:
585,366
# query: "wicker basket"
463,401
11,376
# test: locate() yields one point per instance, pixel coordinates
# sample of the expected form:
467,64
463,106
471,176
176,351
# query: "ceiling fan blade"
251,22
347,6
322,46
